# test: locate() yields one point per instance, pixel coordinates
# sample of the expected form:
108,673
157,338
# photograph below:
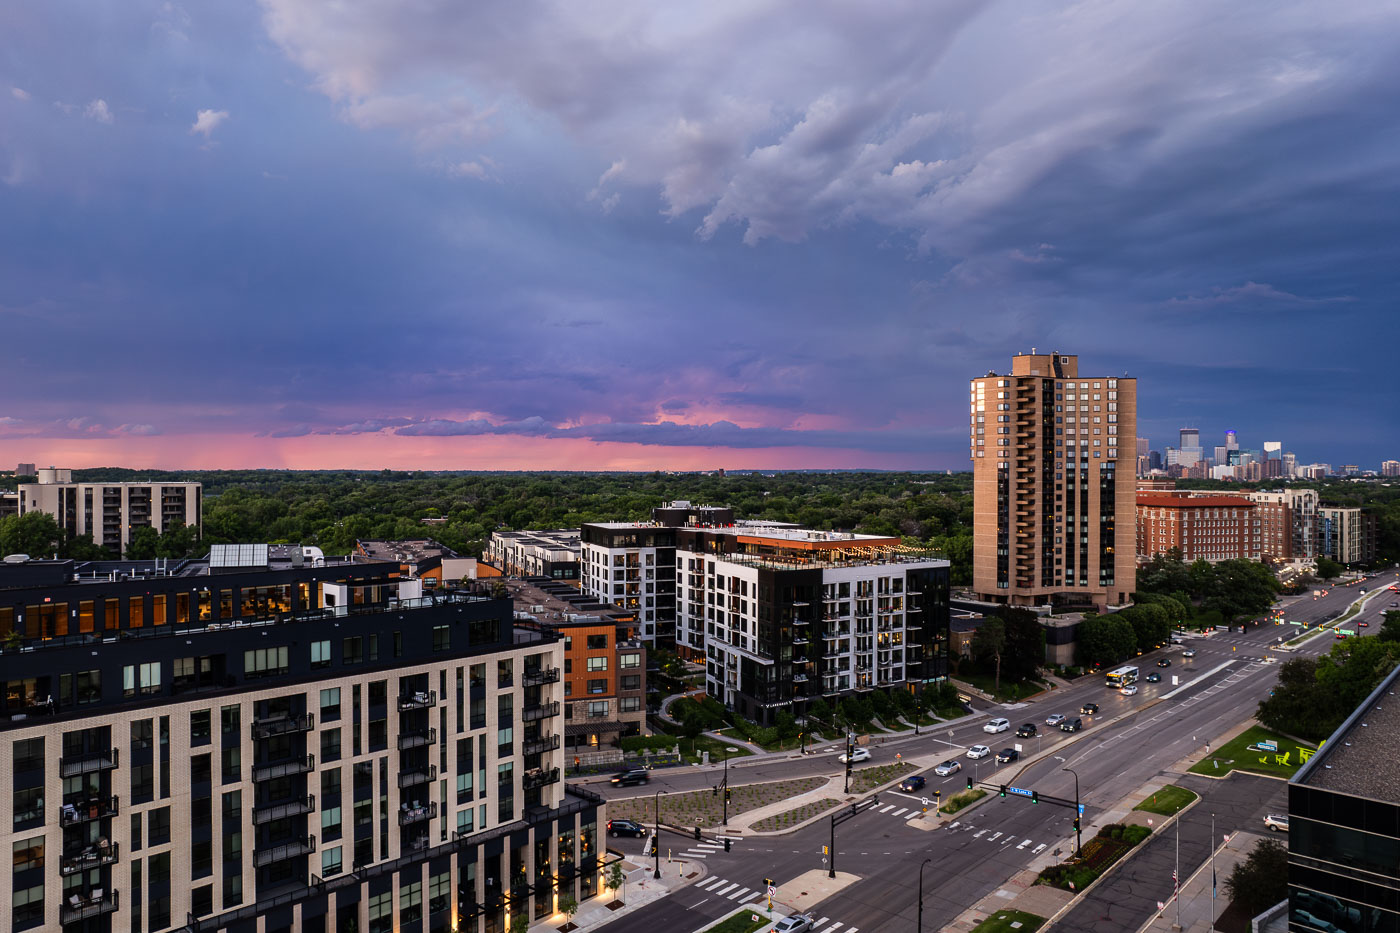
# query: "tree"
615,879
568,906
142,545
81,547
786,724
1329,569
519,920
989,643
1390,628
1261,880
1025,644
33,533
1105,640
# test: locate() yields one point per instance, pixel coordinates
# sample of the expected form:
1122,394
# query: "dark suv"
1071,725
1088,709
1027,731
630,776
626,828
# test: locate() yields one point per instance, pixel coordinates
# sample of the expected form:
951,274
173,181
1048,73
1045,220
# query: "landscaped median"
966,798
1098,855
1010,921
705,807
1257,751
1168,800
741,921
862,780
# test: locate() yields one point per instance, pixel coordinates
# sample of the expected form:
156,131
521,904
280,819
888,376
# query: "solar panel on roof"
237,555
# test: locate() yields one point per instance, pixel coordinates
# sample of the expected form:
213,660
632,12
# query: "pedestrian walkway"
640,890
1202,898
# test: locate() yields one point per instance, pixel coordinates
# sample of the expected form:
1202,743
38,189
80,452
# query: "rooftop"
1158,501
1359,758
410,551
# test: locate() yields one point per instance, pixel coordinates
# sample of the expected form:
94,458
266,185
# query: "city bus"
1122,677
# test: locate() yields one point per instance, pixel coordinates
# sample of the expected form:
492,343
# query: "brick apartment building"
1212,528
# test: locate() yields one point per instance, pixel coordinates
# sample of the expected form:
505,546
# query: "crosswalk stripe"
1037,849
992,837
726,889
702,845
820,922
709,883
833,928
1024,843
978,834
689,854
739,894
899,811
748,897
886,808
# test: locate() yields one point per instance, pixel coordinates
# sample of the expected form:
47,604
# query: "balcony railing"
77,907
539,778
94,856
270,726
285,768
540,711
418,776
282,811
537,677
419,700
417,738
81,811
409,815
547,743
280,853
75,765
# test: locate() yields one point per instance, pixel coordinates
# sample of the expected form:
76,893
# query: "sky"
629,235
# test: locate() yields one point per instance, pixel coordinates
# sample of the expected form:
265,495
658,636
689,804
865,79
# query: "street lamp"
732,751
920,927
656,799
1078,834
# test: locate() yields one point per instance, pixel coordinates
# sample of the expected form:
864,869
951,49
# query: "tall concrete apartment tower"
1054,514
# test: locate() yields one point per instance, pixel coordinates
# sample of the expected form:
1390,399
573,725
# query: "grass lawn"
1167,800
741,922
1002,920
958,801
718,750
1009,690
1236,755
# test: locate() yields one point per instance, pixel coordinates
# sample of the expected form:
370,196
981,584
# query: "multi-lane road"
1127,745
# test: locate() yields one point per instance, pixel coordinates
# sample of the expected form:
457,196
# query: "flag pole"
1212,873
1176,876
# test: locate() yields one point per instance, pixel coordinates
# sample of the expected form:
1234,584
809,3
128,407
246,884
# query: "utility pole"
656,798
850,749
1212,873
920,927
1176,877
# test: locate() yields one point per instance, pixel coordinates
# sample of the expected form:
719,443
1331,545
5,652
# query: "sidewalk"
1198,910
640,890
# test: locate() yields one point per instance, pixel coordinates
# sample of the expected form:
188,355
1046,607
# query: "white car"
978,751
1189,653
1054,719
797,923
860,754
997,725
948,767
1130,690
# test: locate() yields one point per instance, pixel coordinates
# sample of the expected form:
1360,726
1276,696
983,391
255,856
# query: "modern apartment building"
632,566
1344,824
1390,468
9,504
1289,521
784,616
552,554
261,744
1211,528
1346,535
1053,512
110,512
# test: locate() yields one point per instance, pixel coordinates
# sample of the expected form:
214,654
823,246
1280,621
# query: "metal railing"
417,776
537,677
540,711
270,726
420,700
94,808
94,856
78,907
280,853
75,765
281,811
417,738
545,743
285,768
532,779
417,814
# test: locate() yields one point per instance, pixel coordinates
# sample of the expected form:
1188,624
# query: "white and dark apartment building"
255,743
550,554
110,512
784,615
631,566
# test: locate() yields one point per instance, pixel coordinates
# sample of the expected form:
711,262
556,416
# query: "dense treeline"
334,508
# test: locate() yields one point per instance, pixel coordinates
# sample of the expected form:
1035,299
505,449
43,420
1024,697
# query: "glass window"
28,853
320,654
597,664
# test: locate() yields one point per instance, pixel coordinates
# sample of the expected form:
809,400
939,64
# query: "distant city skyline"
483,236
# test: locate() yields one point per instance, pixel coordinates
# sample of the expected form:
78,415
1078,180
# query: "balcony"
280,853
539,711
417,775
799,678
88,762
81,811
410,815
539,778
281,811
547,743
78,907
418,700
93,856
300,765
537,677
282,724
417,738
799,640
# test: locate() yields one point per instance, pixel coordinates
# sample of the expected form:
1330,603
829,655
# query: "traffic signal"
768,881
714,791
726,843
969,783
728,794
1076,824
938,794
1035,796
1003,790
697,832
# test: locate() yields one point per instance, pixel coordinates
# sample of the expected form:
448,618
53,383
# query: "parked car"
626,828
1154,678
1027,731
1007,754
912,783
797,923
1164,662
1189,653
997,725
948,767
631,776
978,751
1054,719
1089,709
1128,691
1277,822
859,754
